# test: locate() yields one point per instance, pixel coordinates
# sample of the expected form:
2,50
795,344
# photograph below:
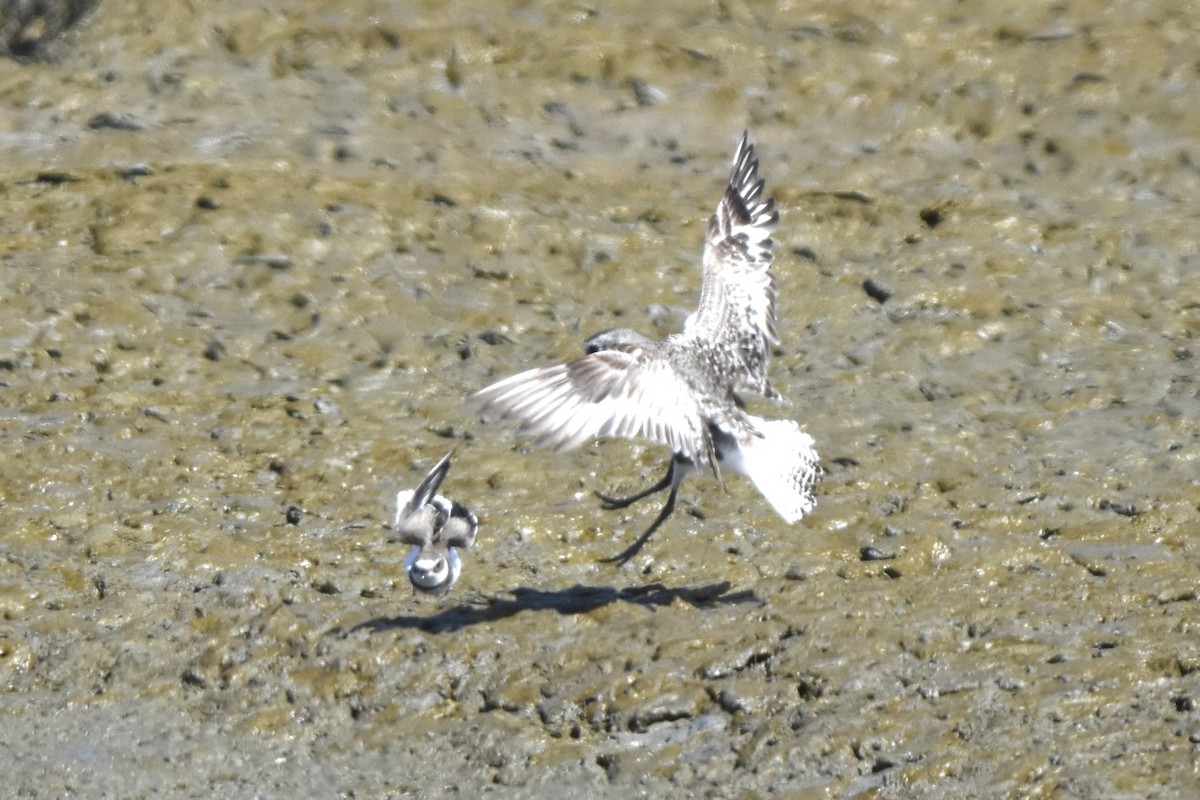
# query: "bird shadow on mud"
576,599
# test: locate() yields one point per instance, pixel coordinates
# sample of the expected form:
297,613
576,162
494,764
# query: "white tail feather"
783,465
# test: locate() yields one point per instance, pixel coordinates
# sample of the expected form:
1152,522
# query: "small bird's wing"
737,298
623,393
416,517
424,493
413,524
460,528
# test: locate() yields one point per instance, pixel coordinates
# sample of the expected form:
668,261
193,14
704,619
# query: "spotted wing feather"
737,298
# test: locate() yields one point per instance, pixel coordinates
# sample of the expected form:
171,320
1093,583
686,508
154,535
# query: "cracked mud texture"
252,261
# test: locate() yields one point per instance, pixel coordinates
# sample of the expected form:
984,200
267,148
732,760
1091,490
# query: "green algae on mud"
335,225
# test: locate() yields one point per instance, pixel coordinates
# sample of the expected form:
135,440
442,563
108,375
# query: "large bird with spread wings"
682,391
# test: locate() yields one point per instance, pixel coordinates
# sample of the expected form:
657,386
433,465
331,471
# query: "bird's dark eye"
592,347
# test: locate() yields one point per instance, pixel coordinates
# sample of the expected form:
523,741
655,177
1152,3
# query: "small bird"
436,528
682,391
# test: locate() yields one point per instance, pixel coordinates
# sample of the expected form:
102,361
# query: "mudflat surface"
252,261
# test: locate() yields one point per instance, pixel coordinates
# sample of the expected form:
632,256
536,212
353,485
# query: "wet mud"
251,262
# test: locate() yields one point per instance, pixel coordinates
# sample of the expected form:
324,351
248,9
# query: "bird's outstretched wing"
416,509
623,394
737,299
424,493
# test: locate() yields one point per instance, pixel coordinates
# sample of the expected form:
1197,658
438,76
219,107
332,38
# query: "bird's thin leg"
676,477
611,503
